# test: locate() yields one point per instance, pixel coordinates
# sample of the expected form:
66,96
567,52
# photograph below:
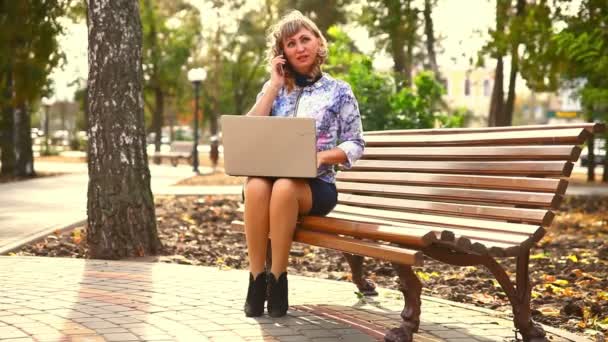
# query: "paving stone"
100,324
11,332
120,337
319,333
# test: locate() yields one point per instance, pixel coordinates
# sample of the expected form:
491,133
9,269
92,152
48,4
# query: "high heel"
277,295
256,295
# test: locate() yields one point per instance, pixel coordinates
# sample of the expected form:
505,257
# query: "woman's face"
301,50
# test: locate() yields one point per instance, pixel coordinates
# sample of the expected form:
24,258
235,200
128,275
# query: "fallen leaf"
549,311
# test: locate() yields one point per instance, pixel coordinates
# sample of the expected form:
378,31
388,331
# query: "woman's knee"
258,188
284,188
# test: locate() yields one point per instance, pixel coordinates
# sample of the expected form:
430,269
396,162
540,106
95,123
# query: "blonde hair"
289,25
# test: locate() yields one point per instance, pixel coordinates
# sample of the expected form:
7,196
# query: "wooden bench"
179,150
462,196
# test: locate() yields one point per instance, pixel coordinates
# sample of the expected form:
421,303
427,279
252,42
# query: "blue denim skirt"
324,196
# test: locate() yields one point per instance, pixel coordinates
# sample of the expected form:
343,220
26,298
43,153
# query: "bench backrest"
494,187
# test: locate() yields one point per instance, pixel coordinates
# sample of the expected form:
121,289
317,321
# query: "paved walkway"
34,208
62,299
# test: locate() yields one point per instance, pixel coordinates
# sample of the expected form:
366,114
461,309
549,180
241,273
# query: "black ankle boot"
256,295
277,295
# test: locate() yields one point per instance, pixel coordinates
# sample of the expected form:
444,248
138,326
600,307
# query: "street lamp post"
47,103
196,76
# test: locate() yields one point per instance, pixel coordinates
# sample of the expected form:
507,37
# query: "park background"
412,64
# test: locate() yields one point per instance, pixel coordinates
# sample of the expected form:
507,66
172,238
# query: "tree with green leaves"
430,39
325,13
519,24
381,106
573,54
171,31
28,53
394,24
582,48
235,57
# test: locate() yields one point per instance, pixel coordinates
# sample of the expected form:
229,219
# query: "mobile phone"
283,67
280,69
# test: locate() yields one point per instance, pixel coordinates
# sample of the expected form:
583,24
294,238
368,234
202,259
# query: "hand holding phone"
277,74
280,69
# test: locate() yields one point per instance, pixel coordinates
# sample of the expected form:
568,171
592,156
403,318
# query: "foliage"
170,35
241,65
325,13
380,105
28,45
540,64
28,53
394,25
583,49
372,90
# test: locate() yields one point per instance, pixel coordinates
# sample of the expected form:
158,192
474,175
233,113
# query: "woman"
297,87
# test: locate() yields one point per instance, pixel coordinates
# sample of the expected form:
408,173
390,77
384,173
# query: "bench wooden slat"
457,194
354,246
500,247
543,217
399,232
436,179
594,127
525,168
557,152
390,217
405,234
532,137
398,218
385,252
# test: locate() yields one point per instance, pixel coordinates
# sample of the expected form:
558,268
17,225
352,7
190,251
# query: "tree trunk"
507,117
411,26
24,156
158,120
605,172
591,153
430,38
398,53
121,218
497,101
7,123
172,110
397,45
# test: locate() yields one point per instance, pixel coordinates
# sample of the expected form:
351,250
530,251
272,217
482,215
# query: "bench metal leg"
365,286
411,287
519,296
530,330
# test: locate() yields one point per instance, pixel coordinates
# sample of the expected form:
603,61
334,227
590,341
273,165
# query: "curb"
38,236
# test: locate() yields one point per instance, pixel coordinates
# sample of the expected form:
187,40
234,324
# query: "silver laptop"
269,146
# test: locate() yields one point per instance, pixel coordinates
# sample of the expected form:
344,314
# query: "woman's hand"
331,157
320,159
277,76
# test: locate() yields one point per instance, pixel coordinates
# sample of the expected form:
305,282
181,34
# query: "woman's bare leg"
289,198
257,203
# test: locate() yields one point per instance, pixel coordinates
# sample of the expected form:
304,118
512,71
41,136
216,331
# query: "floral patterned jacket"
332,103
